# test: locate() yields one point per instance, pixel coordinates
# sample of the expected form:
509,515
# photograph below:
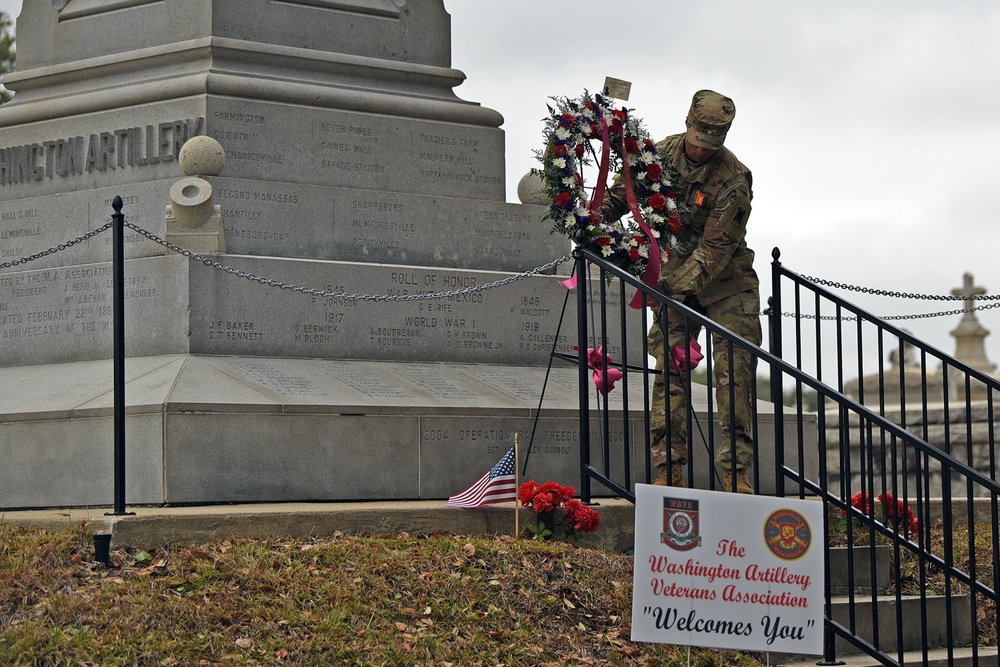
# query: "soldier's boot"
742,482
673,477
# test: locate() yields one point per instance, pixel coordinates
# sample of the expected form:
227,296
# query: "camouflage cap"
709,119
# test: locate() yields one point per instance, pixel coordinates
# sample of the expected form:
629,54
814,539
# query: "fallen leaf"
469,550
244,642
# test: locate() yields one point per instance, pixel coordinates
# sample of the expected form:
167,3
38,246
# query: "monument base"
208,429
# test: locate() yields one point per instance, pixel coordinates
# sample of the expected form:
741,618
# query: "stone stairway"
884,608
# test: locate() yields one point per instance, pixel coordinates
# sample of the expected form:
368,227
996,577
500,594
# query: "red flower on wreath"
631,145
563,198
654,171
618,118
658,202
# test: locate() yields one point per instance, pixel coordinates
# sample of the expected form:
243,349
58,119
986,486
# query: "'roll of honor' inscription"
375,313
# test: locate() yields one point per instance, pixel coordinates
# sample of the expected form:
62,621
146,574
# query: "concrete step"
914,632
960,657
841,560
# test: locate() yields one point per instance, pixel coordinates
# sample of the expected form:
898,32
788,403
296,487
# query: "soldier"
710,271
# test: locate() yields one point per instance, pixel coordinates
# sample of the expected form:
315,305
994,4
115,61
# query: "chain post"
581,323
118,306
777,390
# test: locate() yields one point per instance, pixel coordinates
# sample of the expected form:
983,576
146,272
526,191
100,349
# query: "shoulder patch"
734,217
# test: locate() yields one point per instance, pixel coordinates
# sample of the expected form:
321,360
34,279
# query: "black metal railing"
900,458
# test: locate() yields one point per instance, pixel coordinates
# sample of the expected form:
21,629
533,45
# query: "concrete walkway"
151,527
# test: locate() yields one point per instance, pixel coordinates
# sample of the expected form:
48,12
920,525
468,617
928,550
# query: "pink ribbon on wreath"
604,377
651,275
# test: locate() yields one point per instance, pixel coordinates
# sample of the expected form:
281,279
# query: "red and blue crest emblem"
680,524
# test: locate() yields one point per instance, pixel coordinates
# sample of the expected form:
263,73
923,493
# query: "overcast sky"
871,127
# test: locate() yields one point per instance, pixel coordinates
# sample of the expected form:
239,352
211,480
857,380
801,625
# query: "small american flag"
496,486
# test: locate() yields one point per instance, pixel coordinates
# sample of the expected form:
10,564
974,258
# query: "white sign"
727,570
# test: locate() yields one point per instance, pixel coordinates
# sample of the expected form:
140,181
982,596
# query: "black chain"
54,249
902,295
207,261
499,283
889,318
898,295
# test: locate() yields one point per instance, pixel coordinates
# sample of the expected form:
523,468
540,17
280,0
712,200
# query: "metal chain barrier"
500,283
899,295
54,249
207,261
282,285
888,318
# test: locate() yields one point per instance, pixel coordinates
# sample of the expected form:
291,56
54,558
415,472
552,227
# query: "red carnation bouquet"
890,511
557,511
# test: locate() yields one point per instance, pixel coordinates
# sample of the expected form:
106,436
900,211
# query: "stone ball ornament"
202,156
531,189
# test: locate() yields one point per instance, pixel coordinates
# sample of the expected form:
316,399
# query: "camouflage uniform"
711,271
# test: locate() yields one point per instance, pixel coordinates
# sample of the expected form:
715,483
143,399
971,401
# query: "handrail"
875,450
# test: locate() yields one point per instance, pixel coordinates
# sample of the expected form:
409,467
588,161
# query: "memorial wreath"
626,149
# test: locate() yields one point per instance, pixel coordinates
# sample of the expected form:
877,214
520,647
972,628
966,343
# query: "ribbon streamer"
651,275
602,183
602,173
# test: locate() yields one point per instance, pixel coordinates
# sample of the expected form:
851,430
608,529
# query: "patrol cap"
709,119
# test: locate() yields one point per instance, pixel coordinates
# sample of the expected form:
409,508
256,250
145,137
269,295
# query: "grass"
346,600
